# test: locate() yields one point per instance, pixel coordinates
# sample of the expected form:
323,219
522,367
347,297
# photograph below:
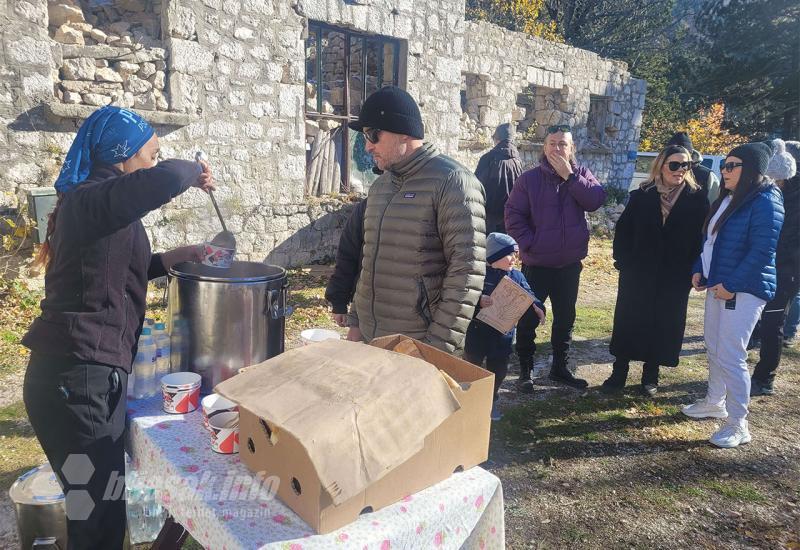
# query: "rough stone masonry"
229,77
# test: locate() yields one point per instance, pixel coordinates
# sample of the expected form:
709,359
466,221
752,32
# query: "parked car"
645,160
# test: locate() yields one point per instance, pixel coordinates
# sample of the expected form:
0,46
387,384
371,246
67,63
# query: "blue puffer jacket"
744,252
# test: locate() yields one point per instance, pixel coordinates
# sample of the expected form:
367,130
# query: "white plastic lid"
38,486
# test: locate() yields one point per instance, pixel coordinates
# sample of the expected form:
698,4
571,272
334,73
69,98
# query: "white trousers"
727,332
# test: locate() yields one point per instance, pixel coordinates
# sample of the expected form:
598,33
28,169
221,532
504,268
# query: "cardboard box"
407,441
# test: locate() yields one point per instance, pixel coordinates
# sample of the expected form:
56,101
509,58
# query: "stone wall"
233,75
535,83
110,52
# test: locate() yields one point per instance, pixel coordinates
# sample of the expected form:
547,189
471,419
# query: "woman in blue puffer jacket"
737,267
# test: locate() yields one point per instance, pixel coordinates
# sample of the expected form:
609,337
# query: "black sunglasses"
729,166
372,135
558,128
675,165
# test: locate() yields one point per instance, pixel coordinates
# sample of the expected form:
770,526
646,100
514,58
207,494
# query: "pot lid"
238,272
38,486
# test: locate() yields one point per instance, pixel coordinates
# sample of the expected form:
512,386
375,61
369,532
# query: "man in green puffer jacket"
424,231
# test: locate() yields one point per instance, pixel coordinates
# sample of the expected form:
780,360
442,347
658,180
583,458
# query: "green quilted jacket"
424,251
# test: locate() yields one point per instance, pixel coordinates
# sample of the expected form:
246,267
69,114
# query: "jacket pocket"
73,385
423,303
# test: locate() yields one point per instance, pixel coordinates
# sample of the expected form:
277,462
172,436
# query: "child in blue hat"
483,341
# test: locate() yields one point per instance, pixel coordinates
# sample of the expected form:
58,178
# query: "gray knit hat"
499,245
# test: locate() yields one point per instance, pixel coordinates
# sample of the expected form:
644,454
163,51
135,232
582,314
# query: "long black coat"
655,260
498,170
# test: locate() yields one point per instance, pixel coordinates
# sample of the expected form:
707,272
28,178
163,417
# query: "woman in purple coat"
546,214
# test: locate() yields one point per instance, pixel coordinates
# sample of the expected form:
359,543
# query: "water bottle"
131,384
154,514
162,352
144,366
133,501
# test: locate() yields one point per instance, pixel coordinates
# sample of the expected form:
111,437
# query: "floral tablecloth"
224,506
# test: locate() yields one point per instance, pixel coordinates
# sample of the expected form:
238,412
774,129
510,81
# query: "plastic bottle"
162,352
131,385
133,501
154,514
144,366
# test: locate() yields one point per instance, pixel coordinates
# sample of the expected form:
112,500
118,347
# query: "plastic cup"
224,429
214,404
181,391
217,256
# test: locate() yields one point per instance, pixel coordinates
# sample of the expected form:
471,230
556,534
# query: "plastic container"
314,335
224,429
162,350
146,516
144,366
214,404
181,391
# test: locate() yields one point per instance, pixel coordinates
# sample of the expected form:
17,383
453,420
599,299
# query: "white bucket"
313,335
181,392
215,404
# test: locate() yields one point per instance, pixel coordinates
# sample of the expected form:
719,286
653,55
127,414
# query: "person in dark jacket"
98,261
546,214
657,239
484,341
342,284
498,170
706,178
737,267
783,169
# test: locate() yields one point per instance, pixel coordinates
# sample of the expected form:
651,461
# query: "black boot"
524,383
649,380
560,373
619,375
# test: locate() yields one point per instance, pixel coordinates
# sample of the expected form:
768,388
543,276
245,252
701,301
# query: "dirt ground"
578,469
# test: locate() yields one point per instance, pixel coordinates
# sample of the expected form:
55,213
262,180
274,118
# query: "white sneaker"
731,435
703,409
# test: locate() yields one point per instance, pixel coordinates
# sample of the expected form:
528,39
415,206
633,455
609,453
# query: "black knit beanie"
681,139
756,155
391,109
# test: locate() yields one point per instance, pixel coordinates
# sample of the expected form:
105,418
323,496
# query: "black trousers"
771,330
560,284
78,413
497,364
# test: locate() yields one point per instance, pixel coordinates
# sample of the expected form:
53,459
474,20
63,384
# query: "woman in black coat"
98,261
657,239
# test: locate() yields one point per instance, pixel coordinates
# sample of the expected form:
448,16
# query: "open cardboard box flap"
358,410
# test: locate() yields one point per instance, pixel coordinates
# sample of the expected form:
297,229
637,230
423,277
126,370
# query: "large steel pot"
224,319
41,513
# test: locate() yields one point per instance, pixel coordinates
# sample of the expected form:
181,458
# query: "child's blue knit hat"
499,245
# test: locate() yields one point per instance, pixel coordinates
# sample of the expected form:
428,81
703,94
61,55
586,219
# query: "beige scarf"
669,196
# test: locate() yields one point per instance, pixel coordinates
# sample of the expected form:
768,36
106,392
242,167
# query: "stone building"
265,88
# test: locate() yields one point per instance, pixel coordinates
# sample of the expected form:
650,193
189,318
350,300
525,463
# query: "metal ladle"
224,238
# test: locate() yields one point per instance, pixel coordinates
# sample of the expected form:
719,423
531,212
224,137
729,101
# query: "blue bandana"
110,135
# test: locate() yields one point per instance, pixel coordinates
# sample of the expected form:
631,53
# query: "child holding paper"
483,341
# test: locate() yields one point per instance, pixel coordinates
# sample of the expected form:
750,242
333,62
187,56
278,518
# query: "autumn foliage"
706,131
517,15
